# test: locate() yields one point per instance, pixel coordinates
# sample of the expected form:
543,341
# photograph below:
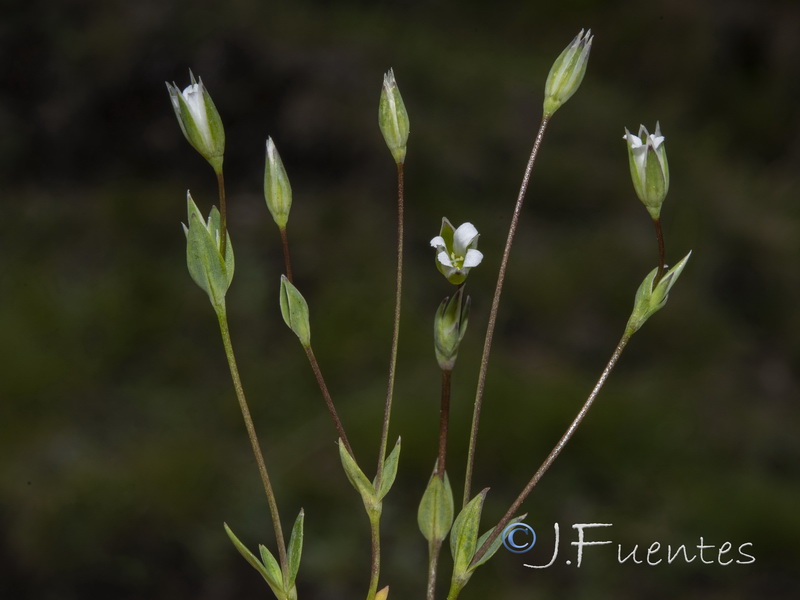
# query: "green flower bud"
277,190
650,300
295,311
203,256
567,72
449,328
649,168
199,120
456,251
393,118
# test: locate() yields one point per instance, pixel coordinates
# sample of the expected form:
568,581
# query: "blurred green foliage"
121,447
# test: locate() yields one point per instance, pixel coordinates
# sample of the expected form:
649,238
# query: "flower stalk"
487,344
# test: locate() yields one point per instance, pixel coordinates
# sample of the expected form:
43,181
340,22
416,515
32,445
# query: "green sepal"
294,309
269,569
464,535
360,481
295,550
393,118
435,513
495,546
389,471
203,256
204,131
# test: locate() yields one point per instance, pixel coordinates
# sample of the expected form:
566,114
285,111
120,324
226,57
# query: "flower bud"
203,256
295,311
567,72
199,120
393,118
649,168
277,190
449,328
456,251
650,300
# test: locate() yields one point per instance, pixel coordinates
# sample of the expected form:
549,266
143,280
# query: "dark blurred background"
121,447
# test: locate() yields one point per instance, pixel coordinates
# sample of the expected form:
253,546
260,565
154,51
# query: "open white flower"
456,251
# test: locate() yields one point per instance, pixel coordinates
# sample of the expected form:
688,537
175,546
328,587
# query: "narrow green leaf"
268,571
464,536
357,478
495,544
389,471
295,549
274,569
435,513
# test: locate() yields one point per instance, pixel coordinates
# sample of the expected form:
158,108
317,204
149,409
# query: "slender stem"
328,400
375,569
661,253
223,213
287,261
444,417
251,433
556,450
396,330
487,344
434,547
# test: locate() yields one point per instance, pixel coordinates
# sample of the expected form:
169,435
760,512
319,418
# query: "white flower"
456,251
199,120
649,168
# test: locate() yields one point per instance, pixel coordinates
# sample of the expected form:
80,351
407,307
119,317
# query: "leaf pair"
282,583
464,542
371,494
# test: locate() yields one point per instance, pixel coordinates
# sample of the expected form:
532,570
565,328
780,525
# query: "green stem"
223,212
512,511
251,433
661,252
328,400
487,344
375,570
396,329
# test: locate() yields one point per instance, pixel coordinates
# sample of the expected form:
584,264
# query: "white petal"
196,101
444,259
633,141
463,237
473,258
438,242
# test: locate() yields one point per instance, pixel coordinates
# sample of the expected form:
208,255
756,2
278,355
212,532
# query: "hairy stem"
487,344
434,547
251,433
328,400
375,569
661,252
396,330
444,417
287,261
223,213
512,511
